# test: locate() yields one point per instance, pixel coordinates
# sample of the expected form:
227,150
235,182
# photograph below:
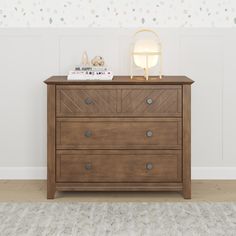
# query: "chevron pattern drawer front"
86,100
119,135
152,101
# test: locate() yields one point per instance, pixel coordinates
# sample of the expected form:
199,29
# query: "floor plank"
35,191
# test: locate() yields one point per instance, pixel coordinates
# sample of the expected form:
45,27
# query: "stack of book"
90,73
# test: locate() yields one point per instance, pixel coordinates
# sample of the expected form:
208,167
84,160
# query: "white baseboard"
41,173
23,172
214,172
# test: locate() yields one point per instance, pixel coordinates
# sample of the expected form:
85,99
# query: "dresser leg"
187,193
51,192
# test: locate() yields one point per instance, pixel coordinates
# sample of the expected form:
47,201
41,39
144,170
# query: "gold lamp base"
143,78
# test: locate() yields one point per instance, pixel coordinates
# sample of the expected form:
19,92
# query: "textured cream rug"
105,219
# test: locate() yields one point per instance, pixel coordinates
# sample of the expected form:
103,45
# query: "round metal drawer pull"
149,133
88,101
149,101
88,133
88,166
149,166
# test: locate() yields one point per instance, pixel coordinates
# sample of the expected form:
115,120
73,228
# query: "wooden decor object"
119,135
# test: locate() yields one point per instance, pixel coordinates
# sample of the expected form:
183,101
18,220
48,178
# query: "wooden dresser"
119,135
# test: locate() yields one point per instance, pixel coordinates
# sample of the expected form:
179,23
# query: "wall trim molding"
23,172
19,173
214,173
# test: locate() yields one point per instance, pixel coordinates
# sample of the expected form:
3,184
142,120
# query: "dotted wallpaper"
117,13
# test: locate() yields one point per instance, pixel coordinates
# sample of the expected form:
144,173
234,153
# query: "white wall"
29,56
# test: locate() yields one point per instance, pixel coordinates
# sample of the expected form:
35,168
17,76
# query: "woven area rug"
132,219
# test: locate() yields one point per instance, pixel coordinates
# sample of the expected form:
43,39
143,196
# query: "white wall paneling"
202,59
72,47
229,100
29,56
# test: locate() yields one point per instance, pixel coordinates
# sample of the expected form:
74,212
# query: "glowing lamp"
146,52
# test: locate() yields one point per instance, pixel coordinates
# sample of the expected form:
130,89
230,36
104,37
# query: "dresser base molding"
119,187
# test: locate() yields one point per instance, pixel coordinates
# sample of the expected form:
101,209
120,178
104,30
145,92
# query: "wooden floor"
35,191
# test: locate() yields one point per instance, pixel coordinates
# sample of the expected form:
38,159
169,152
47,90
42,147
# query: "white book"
90,75
74,77
91,68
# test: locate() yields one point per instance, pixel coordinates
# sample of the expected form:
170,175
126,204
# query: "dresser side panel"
51,141
187,141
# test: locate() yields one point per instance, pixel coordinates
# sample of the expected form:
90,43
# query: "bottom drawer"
119,166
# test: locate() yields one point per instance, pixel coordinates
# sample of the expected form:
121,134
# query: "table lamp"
146,52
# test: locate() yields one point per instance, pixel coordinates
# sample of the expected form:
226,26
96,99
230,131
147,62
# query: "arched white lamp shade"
143,50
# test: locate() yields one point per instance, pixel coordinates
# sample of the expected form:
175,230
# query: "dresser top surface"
123,80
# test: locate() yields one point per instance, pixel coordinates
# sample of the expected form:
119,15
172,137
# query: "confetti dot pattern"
113,13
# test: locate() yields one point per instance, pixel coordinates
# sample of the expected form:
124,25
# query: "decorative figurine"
98,61
84,59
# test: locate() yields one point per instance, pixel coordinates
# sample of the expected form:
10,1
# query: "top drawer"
159,100
76,100
119,100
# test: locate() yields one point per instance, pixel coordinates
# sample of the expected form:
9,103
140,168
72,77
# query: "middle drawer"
119,133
